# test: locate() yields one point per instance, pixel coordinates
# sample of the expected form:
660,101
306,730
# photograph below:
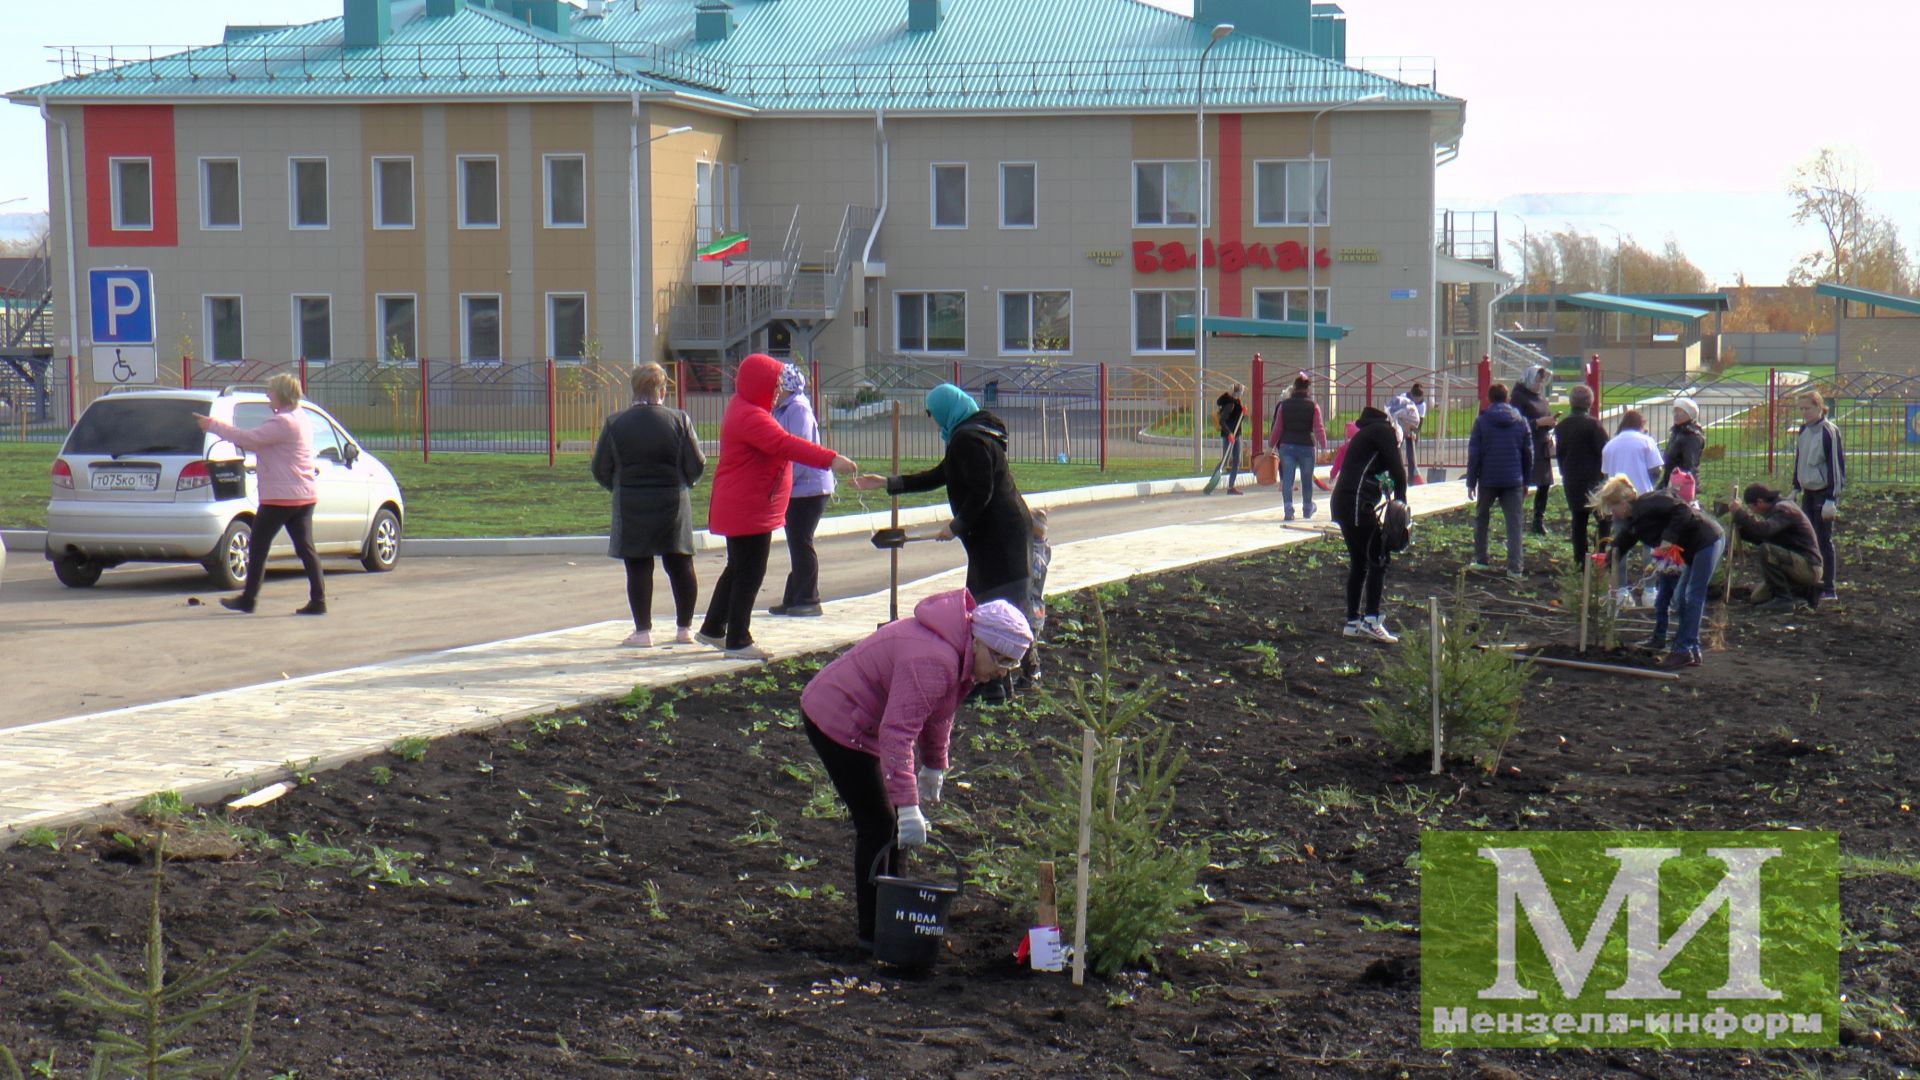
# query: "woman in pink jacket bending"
890,700
283,453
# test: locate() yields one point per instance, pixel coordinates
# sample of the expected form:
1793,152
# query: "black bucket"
910,920
229,477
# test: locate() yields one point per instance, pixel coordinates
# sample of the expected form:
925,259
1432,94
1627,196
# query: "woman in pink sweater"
283,452
890,699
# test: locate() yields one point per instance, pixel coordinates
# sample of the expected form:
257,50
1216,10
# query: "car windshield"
122,426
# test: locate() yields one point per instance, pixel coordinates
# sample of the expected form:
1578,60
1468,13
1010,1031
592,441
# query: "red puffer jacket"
751,486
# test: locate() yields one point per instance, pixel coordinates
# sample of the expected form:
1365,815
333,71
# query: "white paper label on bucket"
1043,949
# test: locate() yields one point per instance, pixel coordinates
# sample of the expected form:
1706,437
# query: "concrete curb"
19,540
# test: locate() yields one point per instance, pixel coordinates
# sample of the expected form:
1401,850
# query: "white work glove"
1829,510
911,827
929,781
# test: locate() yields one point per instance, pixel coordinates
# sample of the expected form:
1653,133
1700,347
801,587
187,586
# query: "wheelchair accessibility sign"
123,321
1913,422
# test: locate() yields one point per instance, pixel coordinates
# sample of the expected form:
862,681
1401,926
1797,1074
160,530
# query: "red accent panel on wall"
1231,165
130,131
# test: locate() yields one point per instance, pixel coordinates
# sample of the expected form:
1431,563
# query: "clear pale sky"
1678,117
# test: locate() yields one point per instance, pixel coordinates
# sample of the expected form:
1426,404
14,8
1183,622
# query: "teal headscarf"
950,406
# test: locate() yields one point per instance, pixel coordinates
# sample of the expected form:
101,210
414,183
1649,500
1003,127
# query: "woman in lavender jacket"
811,489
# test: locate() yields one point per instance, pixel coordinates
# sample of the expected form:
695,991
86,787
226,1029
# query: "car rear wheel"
77,571
228,563
382,548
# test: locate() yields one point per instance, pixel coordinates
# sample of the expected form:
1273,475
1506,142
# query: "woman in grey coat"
649,457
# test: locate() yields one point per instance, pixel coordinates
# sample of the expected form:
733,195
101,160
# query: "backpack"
1396,525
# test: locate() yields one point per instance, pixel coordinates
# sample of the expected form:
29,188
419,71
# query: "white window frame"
546,178
1324,294
1133,322
466,324
733,197
380,325
1000,322
460,182
293,192
1133,193
586,325
933,194
113,180
239,195
1262,218
206,327
379,194
965,316
1035,223
299,353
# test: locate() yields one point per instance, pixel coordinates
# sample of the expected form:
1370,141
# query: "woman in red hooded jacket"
750,490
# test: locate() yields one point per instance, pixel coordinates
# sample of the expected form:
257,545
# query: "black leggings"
267,523
856,776
1367,560
640,589
1540,494
803,581
730,611
1583,517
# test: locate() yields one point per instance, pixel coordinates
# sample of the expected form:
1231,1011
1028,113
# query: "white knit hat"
1688,406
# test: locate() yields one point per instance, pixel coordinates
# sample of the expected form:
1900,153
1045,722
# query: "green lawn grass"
518,495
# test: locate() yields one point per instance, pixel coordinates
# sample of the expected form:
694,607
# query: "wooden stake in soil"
1433,673
1586,593
1088,744
1733,542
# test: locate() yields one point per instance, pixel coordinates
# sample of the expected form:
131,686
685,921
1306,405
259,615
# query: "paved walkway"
215,745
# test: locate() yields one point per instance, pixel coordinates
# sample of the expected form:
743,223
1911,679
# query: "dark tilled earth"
627,889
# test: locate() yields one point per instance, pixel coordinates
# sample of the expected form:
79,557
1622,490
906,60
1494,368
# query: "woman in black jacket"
1687,443
649,457
1530,397
1372,452
1685,542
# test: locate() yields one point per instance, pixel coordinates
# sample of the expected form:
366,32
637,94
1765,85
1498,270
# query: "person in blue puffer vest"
1499,461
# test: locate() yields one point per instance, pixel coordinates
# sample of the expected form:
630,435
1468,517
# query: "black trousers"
856,776
1410,447
803,580
680,578
1540,494
1811,501
267,523
1578,491
1367,562
730,611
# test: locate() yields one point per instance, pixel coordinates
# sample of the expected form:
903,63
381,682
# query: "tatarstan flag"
729,246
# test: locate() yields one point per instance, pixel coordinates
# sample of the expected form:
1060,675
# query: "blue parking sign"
1913,422
122,303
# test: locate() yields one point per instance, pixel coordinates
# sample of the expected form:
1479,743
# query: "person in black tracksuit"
1530,399
1372,452
1229,411
1686,443
1580,441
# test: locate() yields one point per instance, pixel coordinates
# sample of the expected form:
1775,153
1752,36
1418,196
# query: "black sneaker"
314,607
237,603
803,611
777,609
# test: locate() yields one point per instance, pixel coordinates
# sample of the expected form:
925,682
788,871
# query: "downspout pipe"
633,227
883,180
66,205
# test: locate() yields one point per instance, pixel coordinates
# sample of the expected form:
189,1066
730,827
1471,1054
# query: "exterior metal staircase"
26,333
795,286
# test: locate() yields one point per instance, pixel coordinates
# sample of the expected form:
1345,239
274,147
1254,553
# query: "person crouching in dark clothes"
1786,550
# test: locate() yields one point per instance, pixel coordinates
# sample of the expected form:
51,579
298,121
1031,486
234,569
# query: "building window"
1153,314
313,328
1167,193
949,196
1036,322
1019,189
566,191
307,181
931,321
219,193
393,193
479,193
225,337
567,326
132,193
1290,192
1290,305
480,329
399,340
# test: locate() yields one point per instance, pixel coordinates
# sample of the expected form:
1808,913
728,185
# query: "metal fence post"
1259,375
1484,379
426,417
1593,383
552,434
956,374
680,385
1772,396
186,371
1103,416
73,391
303,376
1369,384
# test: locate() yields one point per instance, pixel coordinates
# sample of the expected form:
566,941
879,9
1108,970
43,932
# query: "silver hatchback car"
138,481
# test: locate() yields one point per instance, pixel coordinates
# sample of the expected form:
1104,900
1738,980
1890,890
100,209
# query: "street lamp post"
1313,218
1220,34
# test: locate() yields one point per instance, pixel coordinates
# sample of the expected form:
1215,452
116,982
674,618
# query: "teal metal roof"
1711,301
1267,328
781,55
1627,305
1870,297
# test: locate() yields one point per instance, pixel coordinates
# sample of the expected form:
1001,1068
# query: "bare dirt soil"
659,886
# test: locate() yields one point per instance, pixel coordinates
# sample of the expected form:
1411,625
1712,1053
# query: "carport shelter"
1885,337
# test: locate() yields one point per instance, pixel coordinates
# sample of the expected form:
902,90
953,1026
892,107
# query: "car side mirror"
350,454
